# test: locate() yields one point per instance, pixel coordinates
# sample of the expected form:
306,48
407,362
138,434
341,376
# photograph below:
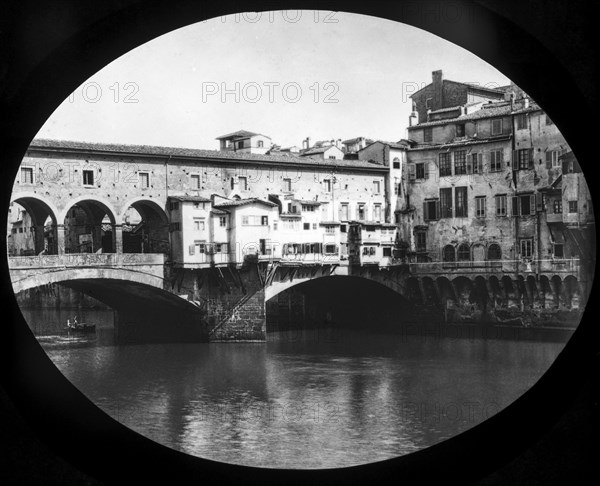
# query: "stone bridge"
155,302
134,285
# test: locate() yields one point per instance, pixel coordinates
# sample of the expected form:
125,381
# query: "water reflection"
311,400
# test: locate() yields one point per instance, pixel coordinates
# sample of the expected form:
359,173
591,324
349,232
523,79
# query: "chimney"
429,114
436,86
413,119
338,143
525,101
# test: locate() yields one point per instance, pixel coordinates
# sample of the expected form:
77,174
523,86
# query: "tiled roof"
461,143
239,134
444,110
218,211
309,203
317,150
243,202
486,111
190,198
329,223
186,153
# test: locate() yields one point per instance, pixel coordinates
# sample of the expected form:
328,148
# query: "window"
496,159
445,165
329,228
174,205
521,121
387,251
526,246
460,130
460,195
480,206
26,175
494,252
396,163
420,171
427,134
524,159
477,163
88,177
428,102
309,208
199,224
396,188
446,202
314,226
287,185
174,227
195,181
243,183
377,212
343,228
460,162
361,213
144,180
376,187
523,205
572,206
344,212
253,220
464,253
559,251
500,205
260,144
327,185
421,241
222,221
552,159
306,226
240,144
448,254
497,126
431,210
331,249
558,206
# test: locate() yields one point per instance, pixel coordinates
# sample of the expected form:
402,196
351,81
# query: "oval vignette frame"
100,446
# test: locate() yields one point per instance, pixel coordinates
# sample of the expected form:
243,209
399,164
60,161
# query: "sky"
286,74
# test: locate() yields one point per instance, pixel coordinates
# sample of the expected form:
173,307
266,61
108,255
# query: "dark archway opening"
89,228
338,303
145,229
31,228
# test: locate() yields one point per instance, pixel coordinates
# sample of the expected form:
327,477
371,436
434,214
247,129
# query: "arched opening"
572,291
494,252
31,228
464,252
449,254
337,302
89,228
557,289
497,295
145,228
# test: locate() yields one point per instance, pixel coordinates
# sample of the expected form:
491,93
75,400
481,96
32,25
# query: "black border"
49,49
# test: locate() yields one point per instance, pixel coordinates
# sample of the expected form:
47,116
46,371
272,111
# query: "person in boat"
69,323
75,323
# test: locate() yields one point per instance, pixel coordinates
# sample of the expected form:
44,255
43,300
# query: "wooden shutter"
426,170
530,158
438,209
515,205
549,159
515,159
532,204
539,201
412,172
469,163
425,211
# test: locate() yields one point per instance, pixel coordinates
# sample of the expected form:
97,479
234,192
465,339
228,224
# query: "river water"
324,398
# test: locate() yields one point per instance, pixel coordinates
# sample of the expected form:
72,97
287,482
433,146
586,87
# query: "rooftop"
490,110
199,154
242,202
240,134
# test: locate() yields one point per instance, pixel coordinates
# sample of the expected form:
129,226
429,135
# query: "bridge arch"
86,230
44,236
148,235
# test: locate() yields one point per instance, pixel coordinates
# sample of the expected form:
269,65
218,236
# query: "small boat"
81,328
